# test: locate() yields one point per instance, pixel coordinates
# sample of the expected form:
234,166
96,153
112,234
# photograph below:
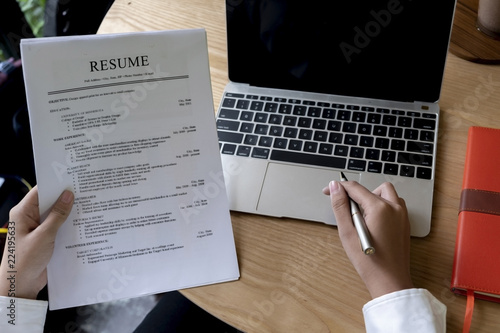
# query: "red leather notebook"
476,266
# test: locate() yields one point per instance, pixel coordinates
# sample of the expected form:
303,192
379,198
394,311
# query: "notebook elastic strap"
468,311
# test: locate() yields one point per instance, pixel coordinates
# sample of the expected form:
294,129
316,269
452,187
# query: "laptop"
320,87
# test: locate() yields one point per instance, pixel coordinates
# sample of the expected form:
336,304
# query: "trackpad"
296,191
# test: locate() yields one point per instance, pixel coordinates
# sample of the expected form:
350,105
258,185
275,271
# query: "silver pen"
360,225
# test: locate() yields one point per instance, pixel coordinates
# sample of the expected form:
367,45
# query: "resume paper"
126,121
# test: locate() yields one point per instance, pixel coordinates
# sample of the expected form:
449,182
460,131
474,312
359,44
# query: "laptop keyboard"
343,136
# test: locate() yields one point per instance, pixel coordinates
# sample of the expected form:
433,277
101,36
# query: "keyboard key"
338,106
398,112
383,110
252,97
367,108
372,154
325,148
230,137
228,125
271,107
351,139
234,95
303,158
388,156
256,106
359,117
290,121
247,127
285,109
357,165
364,129
334,125
411,134
314,112
415,159
243,151
375,167
319,124
275,119
280,99
265,141
420,147
320,136
260,153
404,121
247,116
424,173
395,132
357,152
229,149
407,171
379,130
341,150
349,127
299,110
328,114
397,144
413,114
352,107
280,143
324,104
276,131
304,122
335,137
229,114
310,147
242,104
428,124
251,139
261,129
294,101
382,143
366,141
229,102
266,98
391,169
295,145
429,115
309,102
291,132
389,120
261,117
427,136
344,115
305,134
374,118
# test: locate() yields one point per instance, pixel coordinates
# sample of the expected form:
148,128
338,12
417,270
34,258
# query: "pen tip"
342,176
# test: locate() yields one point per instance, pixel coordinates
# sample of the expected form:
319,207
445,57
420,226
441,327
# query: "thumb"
58,213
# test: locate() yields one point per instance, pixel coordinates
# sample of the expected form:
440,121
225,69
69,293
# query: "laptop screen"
390,49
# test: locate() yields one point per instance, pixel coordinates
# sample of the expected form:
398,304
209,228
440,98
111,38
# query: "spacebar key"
326,161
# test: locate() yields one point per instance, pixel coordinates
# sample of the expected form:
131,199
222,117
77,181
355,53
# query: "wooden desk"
295,276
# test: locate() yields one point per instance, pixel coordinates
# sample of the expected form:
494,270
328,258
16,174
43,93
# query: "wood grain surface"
295,276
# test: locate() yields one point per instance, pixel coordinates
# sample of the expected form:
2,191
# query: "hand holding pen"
386,218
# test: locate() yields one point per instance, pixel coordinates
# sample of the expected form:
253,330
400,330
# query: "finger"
360,194
58,213
341,208
387,191
28,204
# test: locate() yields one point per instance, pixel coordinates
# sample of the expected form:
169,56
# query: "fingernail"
334,187
67,196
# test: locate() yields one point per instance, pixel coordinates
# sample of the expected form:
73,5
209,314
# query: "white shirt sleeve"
409,311
22,315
